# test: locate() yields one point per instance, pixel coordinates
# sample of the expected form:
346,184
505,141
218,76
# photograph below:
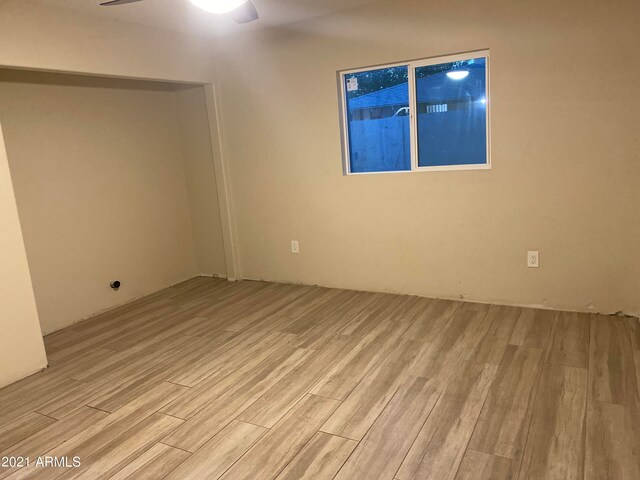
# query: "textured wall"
21,348
566,167
99,176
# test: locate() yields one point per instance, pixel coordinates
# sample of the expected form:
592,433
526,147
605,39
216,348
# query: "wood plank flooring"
253,380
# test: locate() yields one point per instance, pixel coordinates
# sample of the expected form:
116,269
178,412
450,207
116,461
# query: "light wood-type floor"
253,380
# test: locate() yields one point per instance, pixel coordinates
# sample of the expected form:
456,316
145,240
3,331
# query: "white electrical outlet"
533,259
295,246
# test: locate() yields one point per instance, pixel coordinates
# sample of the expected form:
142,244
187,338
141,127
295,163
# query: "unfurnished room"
319,239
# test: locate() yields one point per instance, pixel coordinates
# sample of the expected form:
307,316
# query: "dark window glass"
377,104
452,120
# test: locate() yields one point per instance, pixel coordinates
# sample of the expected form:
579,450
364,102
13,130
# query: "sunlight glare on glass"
483,101
458,74
218,6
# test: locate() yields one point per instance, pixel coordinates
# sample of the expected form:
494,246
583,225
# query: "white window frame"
413,119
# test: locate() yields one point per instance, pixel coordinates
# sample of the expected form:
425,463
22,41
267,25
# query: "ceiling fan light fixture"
218,6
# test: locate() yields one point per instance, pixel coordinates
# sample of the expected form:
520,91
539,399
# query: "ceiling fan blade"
113,3
245,13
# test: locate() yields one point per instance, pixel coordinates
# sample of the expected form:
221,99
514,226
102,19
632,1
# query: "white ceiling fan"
242,11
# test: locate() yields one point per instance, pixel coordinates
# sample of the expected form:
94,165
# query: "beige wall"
42,37
21,347
201,181
39,36
566,167
99,174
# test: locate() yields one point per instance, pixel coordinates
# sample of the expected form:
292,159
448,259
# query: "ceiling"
182,16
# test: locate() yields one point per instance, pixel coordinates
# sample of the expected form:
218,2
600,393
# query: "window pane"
452,113
377,104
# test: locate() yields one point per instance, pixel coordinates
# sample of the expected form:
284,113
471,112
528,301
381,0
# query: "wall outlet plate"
295,246
533,259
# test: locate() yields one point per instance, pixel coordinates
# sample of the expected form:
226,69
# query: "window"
425,115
